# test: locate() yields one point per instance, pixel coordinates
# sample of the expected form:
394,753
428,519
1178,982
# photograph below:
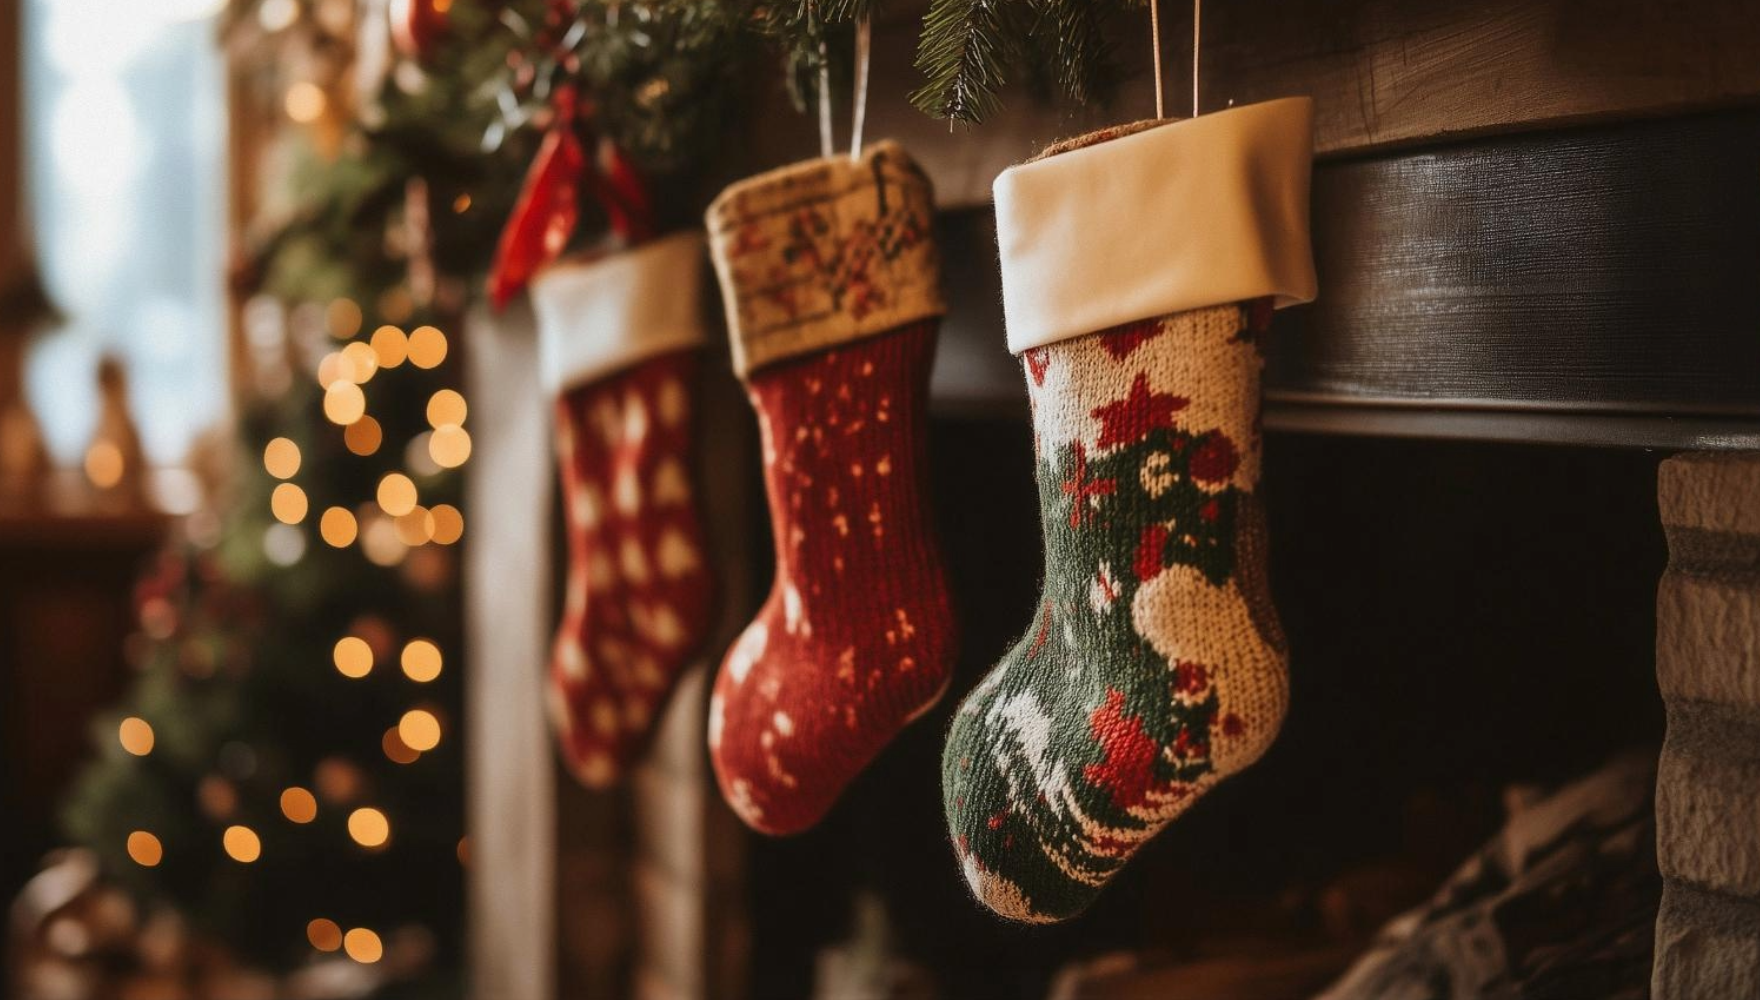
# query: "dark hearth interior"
1448,641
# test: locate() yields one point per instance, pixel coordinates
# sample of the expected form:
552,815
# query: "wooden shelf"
1586,286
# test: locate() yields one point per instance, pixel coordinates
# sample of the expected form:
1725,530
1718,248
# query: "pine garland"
968,48
662,74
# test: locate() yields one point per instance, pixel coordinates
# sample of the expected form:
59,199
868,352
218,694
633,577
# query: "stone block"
1708,798
1708,639
1711,491
1707,946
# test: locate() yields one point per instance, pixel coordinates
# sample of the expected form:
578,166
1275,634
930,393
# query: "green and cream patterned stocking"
1155,666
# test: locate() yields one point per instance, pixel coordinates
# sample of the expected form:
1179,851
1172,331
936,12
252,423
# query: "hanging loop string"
827,143
1197,37
858,97
1155,34
859,100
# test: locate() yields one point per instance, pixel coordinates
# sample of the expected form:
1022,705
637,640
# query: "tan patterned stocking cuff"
821,253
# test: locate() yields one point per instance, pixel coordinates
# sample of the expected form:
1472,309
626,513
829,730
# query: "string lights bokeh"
363,946
390,346
419,729
281,458
145,849
299,805
136,736
386,527
305,102
324,934
338,528
288,504
421,661
400,522
369,827
104,464
353,657
242,844
363,436
396,494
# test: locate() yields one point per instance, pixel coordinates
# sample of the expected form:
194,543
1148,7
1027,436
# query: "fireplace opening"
1469,623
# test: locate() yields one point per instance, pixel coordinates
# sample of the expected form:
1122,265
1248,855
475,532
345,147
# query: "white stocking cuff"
597,317
1197,213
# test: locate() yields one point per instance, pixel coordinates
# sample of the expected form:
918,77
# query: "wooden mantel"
1529,214
1385,74
1534,221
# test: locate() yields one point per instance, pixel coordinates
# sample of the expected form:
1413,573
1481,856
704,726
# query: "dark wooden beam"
1600,269
1383,73
1600,277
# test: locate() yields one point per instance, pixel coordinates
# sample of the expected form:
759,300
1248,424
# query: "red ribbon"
548,209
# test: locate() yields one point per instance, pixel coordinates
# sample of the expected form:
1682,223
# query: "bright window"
125,107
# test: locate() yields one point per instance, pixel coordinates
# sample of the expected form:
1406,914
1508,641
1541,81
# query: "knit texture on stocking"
1156,666
831,282
638,586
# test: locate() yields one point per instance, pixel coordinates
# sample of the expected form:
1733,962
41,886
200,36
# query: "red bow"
548,209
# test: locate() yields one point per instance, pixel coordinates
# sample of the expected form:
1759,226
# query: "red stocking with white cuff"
619,339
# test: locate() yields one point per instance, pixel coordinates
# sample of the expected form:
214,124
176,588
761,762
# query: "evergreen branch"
969,47
1082,57
962,54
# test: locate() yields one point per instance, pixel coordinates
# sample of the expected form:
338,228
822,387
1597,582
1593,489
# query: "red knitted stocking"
638,590
857,637
618,340
831,282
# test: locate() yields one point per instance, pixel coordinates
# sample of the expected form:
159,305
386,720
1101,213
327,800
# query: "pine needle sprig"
1082,57
969,48
963,56
804,31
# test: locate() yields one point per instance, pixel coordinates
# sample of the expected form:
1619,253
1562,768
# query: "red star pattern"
1121,341
1129,420
1126,772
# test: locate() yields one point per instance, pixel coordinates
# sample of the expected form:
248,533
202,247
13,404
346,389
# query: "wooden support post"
509,776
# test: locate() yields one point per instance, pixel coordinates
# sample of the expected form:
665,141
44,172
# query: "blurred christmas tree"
286,775
286,772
